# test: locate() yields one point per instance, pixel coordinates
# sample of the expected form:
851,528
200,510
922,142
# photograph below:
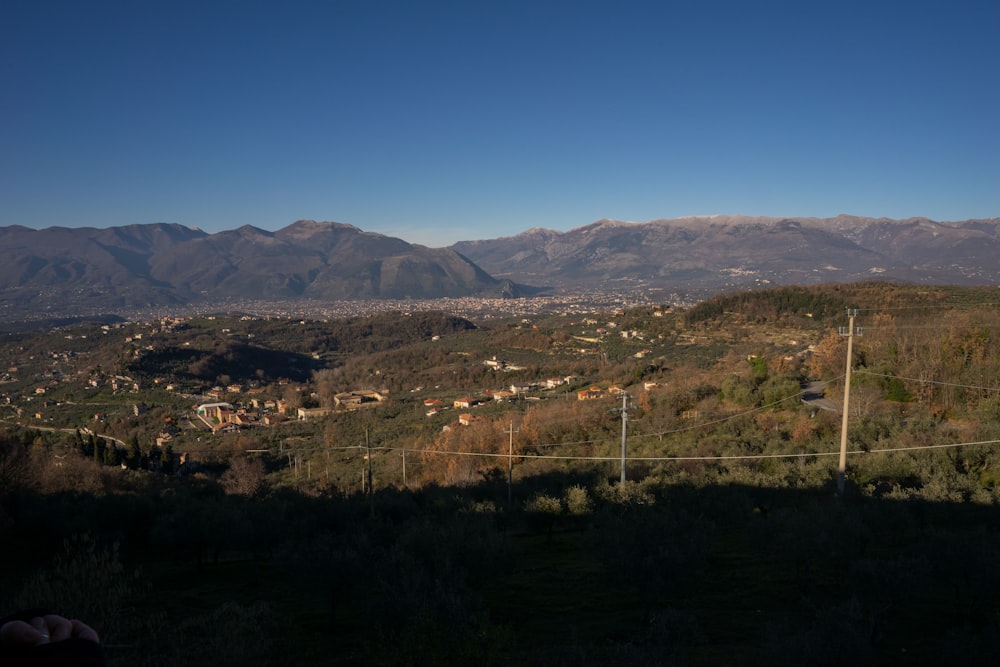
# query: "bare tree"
245,477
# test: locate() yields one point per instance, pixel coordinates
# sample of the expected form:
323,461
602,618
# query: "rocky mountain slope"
720,252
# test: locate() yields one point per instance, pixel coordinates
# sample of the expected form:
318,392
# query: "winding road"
814,394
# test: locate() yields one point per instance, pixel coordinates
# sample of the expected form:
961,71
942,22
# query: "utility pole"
510,465
371,490
404,468
624,432
849,332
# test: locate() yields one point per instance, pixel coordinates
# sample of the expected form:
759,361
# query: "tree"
134,457
828,360
167,460
328,383
111,455
543,511
245,477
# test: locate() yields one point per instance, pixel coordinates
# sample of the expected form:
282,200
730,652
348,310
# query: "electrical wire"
720,457
934,306
938,382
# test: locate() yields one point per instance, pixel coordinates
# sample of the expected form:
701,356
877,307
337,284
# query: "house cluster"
117,383
590,394
218,392
515,391
167,433
601,331
346,400
223,417
595,393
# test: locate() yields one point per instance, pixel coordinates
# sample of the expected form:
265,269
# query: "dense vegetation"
727,543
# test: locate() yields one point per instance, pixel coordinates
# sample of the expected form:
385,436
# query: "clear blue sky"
445,121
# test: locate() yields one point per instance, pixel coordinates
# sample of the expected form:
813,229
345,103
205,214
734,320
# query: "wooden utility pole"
510,466
624,433
842,468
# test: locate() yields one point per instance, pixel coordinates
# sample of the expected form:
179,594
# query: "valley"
423,482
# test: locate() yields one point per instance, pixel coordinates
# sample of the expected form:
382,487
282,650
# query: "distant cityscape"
51,308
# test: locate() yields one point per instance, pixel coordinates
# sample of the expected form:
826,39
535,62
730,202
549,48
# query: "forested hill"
824,304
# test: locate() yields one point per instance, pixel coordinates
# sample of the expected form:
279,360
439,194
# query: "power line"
938,382
919,447
928,327
727,418
718,457
931,306
525,455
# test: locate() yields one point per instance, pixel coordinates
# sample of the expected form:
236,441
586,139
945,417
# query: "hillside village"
176,385
413,471
37,380
185,391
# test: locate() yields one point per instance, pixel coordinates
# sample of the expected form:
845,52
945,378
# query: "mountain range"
164,264
719,252
169,264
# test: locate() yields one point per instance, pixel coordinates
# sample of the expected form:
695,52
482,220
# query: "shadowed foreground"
580,572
